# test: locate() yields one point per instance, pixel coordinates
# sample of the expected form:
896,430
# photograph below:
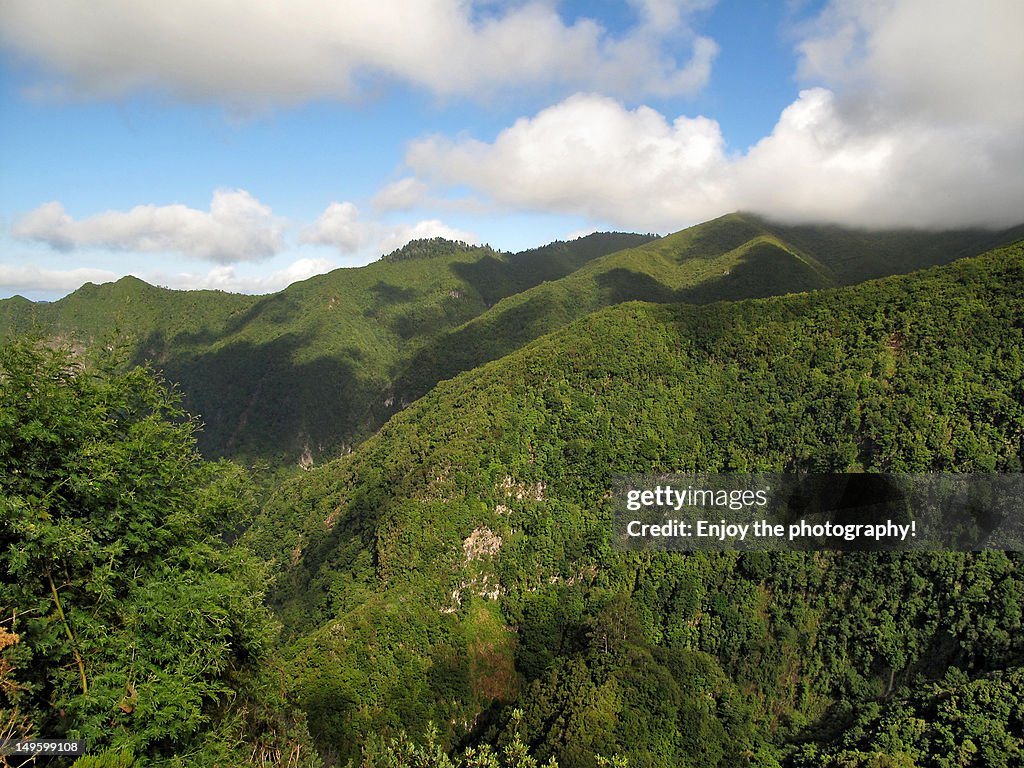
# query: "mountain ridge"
310,371
518,454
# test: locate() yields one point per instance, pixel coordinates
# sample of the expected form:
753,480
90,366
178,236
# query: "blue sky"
221,144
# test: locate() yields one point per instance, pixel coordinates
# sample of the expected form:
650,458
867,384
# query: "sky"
243,146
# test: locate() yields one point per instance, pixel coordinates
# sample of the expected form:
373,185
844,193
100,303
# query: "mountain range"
444,568
464,549
305,374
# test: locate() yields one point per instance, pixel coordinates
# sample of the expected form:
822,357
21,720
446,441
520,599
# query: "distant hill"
458,564
309,372
737,256
306,371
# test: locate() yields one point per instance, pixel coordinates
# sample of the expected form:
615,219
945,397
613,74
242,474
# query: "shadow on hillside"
254,400
497,278
386,293
277,308
765,270
488,276
620,285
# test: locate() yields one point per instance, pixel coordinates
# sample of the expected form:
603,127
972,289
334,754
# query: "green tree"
136,623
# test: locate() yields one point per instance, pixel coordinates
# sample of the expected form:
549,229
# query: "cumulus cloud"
277,52
223,277
399,235
401,195
339,226
33,278
342,226
236,228
226,277
936,60
821,164
882,141
588,155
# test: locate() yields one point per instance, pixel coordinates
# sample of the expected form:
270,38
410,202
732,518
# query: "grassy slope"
908,373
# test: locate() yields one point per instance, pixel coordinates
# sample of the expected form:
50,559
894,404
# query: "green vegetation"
306,372
738,256
126,622
452,576
428,248
490,491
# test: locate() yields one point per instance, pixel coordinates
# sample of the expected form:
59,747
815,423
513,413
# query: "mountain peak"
425,248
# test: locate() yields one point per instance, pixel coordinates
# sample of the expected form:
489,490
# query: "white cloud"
400,195
401,234
576,234
226,278
276,52
920,125
338,226
589,155
820,165
236,228
342,226
937,60
223,277
32,278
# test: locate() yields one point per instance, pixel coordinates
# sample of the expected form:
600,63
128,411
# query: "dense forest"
306,374
446,593
259,369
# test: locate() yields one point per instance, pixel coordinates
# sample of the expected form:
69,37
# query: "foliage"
135,622
737,256
403,752
108,759
456,566
308,373
711,659
426,248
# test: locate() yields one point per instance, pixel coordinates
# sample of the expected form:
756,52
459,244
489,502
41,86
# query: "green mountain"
307,373
458,564
738,256
456,567
308,370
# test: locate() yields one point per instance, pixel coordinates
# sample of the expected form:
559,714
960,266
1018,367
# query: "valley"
441,565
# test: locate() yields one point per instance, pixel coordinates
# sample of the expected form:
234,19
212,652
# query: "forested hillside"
305,374
458,565
293,375
449,585
737,256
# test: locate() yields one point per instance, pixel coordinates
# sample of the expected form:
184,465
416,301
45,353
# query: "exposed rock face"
480,543
522,491
306,458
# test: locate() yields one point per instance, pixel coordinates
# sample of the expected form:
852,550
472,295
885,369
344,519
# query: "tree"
136,623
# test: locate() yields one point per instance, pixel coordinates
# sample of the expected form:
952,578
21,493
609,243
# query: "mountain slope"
483,505
737,256
127,307
309,372
305,371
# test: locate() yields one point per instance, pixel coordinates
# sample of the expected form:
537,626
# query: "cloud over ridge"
876,140
343,227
